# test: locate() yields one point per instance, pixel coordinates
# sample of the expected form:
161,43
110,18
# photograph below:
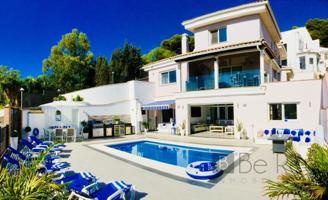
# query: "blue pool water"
177,155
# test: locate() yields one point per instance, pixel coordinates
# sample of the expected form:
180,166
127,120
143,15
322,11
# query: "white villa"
305,57
243,71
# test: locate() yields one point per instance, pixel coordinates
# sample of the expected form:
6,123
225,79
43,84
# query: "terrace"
242,175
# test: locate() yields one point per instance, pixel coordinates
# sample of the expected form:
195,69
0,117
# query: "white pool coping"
163,167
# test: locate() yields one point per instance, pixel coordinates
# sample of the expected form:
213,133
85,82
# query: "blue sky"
30,27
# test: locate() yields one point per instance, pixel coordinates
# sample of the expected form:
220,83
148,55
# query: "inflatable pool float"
203,170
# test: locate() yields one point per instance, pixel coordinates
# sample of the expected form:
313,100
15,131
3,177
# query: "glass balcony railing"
245,78
227,79
196,83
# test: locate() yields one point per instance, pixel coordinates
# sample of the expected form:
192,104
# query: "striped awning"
159,105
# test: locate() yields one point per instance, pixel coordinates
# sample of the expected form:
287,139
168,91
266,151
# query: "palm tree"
303,178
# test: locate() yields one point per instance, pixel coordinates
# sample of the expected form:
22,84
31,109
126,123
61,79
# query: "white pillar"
184,43
184,75
216,73
178,75
262,67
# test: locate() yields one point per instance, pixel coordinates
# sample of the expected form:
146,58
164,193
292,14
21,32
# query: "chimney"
184,43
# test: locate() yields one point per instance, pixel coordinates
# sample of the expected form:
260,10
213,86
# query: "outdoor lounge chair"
25,158
52,167
59,134
229,130
16,154
75,181
10,163
69,176
70,134
110,191
40,147
39,142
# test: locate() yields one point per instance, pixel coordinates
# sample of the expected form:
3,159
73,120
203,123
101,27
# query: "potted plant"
27,130
239,130
85,129
116,119
146,126
14,139
183,128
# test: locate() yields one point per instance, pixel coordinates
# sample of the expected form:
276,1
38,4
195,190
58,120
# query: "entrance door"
75,117
226,114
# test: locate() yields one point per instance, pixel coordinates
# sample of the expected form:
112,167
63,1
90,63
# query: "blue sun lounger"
39,148
25,157
71,175
53,167
16,154
75,181
111,191
39,142
10,163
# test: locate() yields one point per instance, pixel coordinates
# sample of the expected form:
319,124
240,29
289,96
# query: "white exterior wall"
116,99
251,105
249,27
33,120
102,94
323,63
164,91
310,49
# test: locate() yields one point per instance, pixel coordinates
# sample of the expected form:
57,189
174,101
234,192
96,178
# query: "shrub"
303,178
60,98
78,98
27,129
14,133
28,184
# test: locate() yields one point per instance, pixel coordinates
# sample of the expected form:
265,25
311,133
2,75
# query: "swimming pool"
172,154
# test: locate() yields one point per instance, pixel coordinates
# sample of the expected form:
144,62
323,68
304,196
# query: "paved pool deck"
243,180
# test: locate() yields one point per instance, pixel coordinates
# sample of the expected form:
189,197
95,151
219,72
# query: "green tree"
318,29
168,48
126,63
157,54
102,71
10,84
295,27
70,62
174,43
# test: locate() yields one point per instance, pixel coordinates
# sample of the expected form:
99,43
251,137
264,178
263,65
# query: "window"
284,62
283,111
230,113
223,34
275,112
300,44
302,62
196,111
311,61
219,35
285,45
167,115
214,37
290,111
58,116
168,77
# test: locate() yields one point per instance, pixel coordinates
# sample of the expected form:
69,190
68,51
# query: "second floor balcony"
241,70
